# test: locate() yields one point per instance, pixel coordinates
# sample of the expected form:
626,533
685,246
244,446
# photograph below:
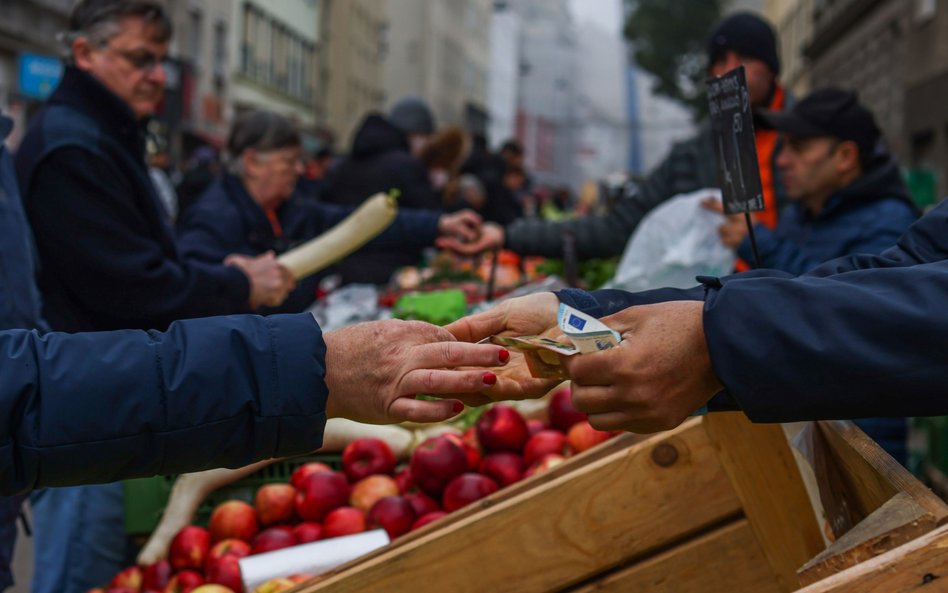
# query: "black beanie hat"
747,34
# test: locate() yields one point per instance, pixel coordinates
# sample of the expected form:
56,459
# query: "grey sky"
607,14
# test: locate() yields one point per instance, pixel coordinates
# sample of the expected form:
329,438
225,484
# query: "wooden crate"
716,505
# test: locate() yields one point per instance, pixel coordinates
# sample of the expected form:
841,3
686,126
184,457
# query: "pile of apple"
444,473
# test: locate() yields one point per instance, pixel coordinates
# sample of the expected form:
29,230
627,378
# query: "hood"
883,179
377,135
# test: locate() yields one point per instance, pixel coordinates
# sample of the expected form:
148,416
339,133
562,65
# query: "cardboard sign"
732,131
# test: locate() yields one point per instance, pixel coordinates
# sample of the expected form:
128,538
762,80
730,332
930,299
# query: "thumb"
408,409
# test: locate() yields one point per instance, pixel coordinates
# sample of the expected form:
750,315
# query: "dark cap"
412,116
747,34
828,112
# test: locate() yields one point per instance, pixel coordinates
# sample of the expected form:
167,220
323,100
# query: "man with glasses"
109,258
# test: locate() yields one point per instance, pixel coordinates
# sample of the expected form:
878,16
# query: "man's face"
760,80
129,64
810,167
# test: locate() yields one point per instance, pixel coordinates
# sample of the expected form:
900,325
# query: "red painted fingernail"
504,356
458,407
490,378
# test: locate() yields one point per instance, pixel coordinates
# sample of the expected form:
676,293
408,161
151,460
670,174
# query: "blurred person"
500,203
315,167
741,38
159,162
203,167
860,336
383,158
108,253
255,209
443,155
846,196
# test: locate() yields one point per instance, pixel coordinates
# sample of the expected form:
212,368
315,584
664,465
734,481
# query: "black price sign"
732,131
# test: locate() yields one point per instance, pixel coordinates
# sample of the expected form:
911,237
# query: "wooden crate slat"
764,474
918,566
565,530
725,560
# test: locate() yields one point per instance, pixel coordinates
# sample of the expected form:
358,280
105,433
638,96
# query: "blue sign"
39,75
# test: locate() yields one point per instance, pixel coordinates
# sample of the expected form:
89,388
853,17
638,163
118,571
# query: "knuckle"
429,380
451,355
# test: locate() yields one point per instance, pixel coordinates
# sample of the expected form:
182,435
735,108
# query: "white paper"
312,558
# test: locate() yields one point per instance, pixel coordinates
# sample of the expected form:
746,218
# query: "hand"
734,229
374,370
464,225
658,375
524,316
491,237
270,283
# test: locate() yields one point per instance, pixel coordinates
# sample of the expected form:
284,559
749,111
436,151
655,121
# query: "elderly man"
254,209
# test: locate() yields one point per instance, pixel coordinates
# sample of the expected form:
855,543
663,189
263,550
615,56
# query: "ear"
847,154
249,163
82,53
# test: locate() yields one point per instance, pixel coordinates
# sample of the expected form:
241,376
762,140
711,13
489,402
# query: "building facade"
439,50
793,21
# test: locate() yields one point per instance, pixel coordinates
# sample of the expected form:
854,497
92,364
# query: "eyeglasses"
143,61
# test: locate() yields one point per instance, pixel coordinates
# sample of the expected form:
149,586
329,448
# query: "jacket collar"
81,91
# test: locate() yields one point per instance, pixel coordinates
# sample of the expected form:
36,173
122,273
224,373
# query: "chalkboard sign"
732,131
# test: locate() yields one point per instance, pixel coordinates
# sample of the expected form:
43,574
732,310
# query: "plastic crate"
145,498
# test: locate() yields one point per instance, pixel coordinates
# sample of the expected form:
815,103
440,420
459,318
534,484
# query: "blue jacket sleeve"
216,392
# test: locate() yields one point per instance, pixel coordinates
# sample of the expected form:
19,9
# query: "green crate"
145,498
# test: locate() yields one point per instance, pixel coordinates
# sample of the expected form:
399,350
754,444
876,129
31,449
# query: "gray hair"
262,131
100,20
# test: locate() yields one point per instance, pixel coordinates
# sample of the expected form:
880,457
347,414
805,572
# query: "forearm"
219,392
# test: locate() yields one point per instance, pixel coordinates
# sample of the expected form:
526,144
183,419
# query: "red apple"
228,547
189,548
544,463
233,519
425,519
504,467
121,590
406,484
422,503
130,577
369,490
465,489
155,576
343,521
583,436
365,457
394,514
470,437
544,443
216,588
502,428
308,531
184,582
320,493
296,478
562,413
473,453
273,538
226,571
535,425
436,462
274,503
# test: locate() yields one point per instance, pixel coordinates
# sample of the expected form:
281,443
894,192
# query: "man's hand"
462,226
374,370
270,283
491,237
734,228
524,316
658,375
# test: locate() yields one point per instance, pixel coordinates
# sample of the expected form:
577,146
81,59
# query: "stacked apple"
444,473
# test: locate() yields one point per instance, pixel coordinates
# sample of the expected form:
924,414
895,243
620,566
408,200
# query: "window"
277,57
925,10
196,26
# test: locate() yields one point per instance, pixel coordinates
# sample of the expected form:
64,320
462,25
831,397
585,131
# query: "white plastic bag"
675,242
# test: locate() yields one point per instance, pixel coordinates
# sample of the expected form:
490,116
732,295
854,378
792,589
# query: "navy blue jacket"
109,259
19,308
217,392
227,220
867,216
857,337
380,160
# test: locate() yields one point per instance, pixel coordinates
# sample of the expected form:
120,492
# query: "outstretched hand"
491,236
658,375
374,371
